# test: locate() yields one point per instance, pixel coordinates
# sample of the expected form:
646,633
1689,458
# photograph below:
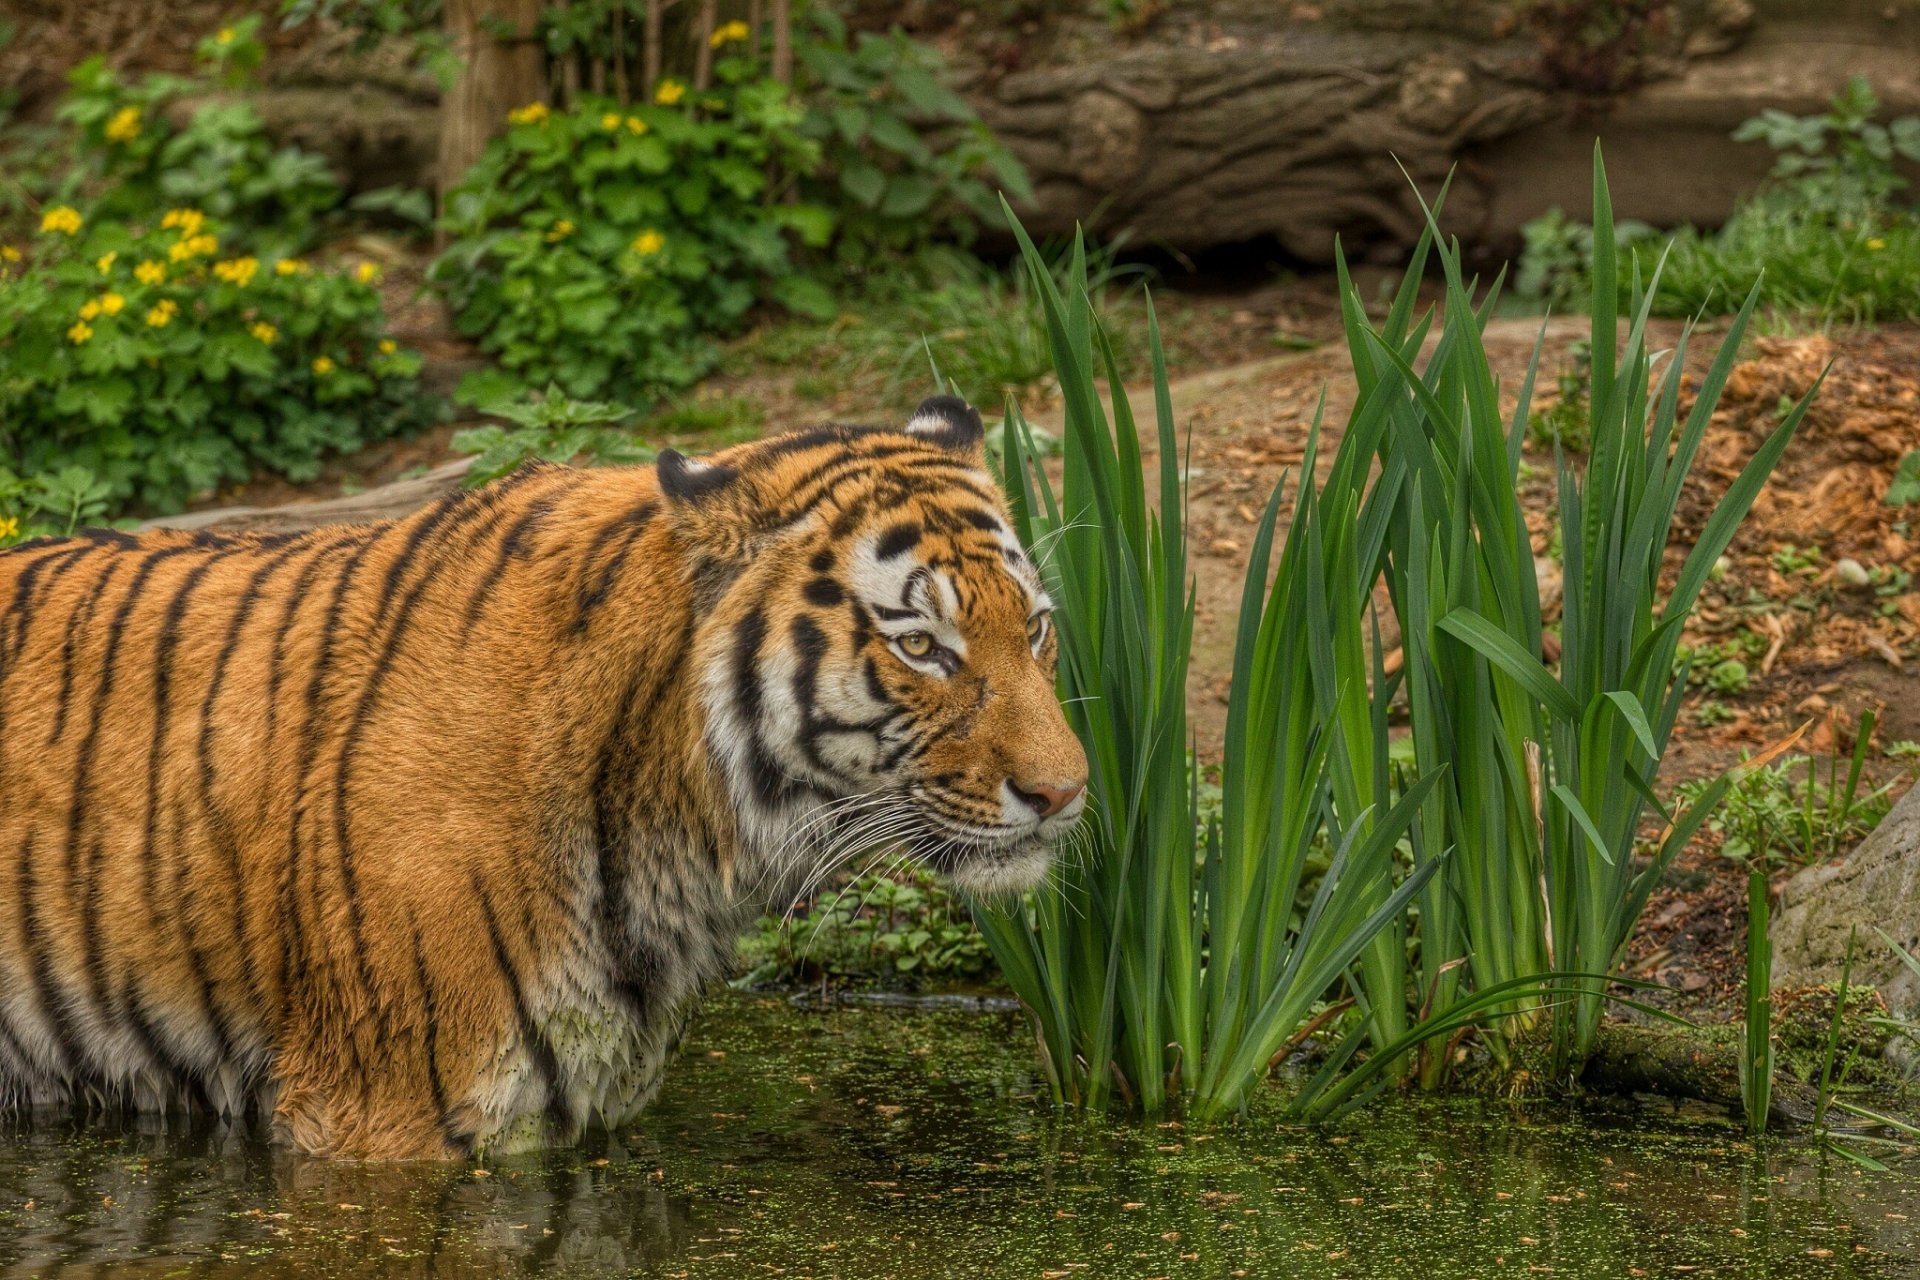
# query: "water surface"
869,1143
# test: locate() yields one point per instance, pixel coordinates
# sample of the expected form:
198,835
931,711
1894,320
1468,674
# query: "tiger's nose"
1046,798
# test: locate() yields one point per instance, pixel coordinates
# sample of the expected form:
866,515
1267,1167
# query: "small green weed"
1712,712
51,503
552,427
896,928
1566,423
1800,809
1790,559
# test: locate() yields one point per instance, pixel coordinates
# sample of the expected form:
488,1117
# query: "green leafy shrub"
142,353
905,159
1829,231
601,249
166,141
605,247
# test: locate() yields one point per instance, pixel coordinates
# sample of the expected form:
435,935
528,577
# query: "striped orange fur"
417,838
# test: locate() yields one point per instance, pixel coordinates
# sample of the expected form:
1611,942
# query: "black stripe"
168,640
897,540
632,966
66,1034
538,1047
824,592
95,966
487,516
294,934
77,622
220,826
772,786
19,609
430,1032
512,547
628,528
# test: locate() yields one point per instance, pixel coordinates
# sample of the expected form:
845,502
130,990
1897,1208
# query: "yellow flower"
669,92
263,331
226,35
125,125
80,332
62,218
366,273
163,312
731,31
89,309
532,113
192,246
9,528
290,267
1876,244
610,121
323,366
237,271
560,230
648,243
105,262
188,221
636,126
151,272
388,346
8,253
111,304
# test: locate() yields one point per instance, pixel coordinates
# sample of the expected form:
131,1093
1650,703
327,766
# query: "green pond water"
860,1142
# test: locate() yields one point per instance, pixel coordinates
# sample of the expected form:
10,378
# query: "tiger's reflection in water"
142,1197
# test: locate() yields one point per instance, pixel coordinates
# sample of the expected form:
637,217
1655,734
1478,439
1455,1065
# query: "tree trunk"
703,29
496,75
783,41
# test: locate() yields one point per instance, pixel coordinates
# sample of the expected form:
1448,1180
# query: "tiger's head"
877,651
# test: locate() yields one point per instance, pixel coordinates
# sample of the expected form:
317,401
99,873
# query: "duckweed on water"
864,1143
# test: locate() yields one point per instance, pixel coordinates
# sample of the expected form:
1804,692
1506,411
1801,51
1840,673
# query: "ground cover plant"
165,362
1170,965
164,327
1833,231
130,147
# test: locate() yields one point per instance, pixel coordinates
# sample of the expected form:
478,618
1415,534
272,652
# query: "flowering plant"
137,147
167,360
599,249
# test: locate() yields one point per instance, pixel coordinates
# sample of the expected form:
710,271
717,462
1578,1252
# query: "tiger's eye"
1036,628
915,644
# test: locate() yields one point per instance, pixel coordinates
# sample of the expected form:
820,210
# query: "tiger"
418,839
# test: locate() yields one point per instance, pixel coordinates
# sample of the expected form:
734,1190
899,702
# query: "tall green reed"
1168,962
1550,771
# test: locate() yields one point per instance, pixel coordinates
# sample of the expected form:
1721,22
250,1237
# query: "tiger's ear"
951,423
686,481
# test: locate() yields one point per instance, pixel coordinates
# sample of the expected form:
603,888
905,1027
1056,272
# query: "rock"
1878,884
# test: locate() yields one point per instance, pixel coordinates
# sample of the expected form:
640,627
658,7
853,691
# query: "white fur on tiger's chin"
1002,873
